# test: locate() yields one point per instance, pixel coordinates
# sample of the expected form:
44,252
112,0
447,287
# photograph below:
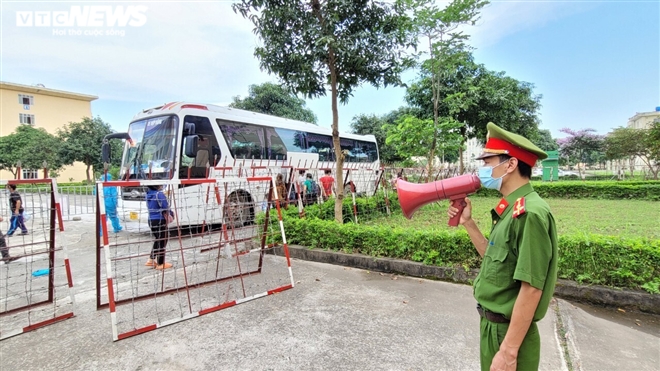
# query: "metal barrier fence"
77,201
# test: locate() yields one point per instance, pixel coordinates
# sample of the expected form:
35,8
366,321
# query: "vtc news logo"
85,16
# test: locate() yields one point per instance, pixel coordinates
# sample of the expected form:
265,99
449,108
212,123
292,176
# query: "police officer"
519,268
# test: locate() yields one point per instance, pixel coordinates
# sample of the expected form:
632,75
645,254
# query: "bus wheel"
239,209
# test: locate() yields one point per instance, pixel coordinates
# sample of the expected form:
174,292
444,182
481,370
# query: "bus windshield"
153,148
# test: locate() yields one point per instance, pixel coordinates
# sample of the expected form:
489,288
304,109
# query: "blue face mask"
486,177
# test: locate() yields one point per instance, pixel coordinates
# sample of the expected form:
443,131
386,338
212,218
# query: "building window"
26,119
26,100
30,174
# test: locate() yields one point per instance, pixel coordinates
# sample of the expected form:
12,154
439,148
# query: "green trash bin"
551,166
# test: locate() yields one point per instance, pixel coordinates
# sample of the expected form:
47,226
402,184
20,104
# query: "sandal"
164,266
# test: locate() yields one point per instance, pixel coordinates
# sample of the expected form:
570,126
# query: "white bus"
180,140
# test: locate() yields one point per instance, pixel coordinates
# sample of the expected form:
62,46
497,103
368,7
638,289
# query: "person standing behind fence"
301,182
159,216
310,189
4,250
327,181
110,201
281,190
16,205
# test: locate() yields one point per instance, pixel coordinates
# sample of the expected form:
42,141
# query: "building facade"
643,120
45,108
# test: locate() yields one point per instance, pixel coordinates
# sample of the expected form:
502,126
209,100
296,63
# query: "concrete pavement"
335,318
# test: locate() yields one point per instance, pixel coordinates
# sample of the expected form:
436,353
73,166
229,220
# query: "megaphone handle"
460,204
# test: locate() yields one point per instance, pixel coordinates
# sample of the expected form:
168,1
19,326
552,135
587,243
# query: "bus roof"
239,115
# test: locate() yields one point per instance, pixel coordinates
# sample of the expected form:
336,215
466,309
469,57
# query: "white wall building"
643,120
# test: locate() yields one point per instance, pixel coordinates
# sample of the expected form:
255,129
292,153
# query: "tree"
273,99
474,96
372,124
32,147
545,141
622,144
340,43
412,136
653,144
445,46
81,141
579,146
630,143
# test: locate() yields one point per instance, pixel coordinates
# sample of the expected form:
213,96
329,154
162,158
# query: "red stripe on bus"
259,179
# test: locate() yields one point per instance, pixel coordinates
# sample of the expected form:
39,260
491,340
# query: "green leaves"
81,141
273,99
302,42
32,147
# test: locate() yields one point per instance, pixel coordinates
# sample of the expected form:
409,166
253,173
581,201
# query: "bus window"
365,151
347,146
370,149
321,144
291,140
276,147
244,140
206,149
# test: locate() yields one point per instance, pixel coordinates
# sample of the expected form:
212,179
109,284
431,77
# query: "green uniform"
522,248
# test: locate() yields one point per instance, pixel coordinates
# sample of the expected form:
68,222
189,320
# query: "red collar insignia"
499,209
519,207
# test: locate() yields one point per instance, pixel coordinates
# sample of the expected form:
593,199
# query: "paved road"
334,318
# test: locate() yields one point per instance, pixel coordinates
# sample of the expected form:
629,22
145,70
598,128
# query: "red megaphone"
412,196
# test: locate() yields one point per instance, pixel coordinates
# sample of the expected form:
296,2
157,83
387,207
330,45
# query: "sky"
595,63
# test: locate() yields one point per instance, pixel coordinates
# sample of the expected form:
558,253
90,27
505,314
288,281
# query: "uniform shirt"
520,249
14,197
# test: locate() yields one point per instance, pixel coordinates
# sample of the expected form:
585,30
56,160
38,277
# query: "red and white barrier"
219,262
36,289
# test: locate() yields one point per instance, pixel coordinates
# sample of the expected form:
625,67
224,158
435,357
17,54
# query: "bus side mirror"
105,153
190,147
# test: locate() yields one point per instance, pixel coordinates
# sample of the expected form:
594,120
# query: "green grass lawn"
625,218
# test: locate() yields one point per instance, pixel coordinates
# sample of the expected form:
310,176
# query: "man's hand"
466,216
505,360
1,219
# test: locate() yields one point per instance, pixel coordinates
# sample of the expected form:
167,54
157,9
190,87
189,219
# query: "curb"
565,289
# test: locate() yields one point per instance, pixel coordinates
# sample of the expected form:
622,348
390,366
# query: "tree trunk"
89,180
339,180
435,88
631,164
339,218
